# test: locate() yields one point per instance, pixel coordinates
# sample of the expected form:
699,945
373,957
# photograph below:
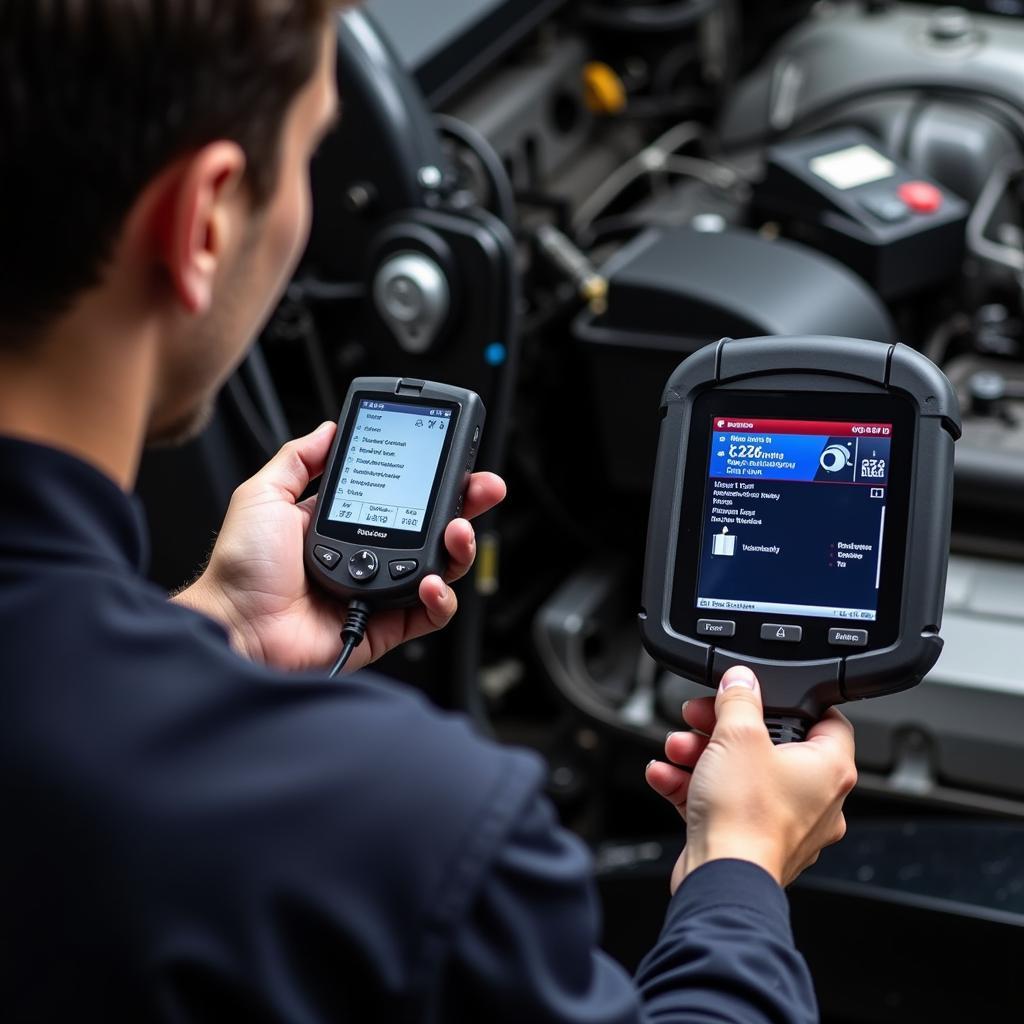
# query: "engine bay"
553,203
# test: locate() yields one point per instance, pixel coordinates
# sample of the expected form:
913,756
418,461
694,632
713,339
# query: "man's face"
254,274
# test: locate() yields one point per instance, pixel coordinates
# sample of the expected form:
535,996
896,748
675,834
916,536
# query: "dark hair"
98,96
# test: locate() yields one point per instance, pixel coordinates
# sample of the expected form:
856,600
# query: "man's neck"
82,392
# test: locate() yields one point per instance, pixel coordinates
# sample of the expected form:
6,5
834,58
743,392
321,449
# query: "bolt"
949,24
431,177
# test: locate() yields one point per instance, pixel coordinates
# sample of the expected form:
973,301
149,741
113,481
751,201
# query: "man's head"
157,152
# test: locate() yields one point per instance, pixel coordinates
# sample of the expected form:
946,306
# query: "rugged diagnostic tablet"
800,520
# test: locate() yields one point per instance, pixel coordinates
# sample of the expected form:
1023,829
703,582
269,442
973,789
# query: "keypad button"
363,566
327,557
848,637
782,634
886,207
716,627
921,196
402,568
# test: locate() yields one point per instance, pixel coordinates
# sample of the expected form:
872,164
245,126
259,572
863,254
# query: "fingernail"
653,760
670,735
686,704
739,676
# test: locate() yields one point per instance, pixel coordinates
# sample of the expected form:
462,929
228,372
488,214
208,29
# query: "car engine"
553,203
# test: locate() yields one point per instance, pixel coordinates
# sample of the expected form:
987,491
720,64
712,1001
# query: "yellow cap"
595,291
603,89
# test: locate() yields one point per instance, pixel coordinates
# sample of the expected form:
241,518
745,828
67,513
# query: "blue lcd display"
794,517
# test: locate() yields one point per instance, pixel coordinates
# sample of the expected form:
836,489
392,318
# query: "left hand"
256,582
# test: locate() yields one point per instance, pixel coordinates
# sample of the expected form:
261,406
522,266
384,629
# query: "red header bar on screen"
827,428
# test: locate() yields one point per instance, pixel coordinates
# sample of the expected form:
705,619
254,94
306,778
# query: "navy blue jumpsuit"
191,837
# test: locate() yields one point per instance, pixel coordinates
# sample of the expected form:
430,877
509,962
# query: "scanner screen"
794,518
390,465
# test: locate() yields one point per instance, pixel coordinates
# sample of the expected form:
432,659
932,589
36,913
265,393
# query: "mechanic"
198,826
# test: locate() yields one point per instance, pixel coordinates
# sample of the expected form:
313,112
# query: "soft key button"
848,637
405,567
783,634
327,557
716,627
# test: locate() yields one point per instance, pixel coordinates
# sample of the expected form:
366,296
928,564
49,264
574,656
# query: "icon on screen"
721,423
835,458
724,544
873,468
877,492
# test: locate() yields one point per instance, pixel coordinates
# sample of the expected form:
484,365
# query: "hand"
256,583
747,799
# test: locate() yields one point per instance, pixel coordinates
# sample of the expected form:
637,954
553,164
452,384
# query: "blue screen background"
792,523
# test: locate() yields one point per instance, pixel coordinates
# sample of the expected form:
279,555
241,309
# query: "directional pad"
363,566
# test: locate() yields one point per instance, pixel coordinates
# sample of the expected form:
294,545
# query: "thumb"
298,463
738,704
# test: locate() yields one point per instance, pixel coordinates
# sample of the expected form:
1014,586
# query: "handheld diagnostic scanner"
396,477
800,521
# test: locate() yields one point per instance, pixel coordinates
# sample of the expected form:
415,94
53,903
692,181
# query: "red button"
921,196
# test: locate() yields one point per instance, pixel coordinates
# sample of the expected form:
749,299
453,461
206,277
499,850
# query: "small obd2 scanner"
800,521
396,476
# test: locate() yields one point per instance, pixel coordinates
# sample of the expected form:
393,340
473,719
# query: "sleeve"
726,954
529,948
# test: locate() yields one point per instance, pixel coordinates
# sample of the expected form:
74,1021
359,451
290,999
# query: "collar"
55,507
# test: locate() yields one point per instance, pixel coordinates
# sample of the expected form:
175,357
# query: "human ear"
199,220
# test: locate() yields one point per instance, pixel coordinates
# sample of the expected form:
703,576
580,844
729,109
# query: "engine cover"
844,55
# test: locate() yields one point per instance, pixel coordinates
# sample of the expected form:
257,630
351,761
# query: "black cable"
502,194
346,653
295,325
352,634
654,108
238,398
256,374
619,226
671,17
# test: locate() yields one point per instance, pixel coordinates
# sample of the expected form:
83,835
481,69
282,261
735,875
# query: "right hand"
744,798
